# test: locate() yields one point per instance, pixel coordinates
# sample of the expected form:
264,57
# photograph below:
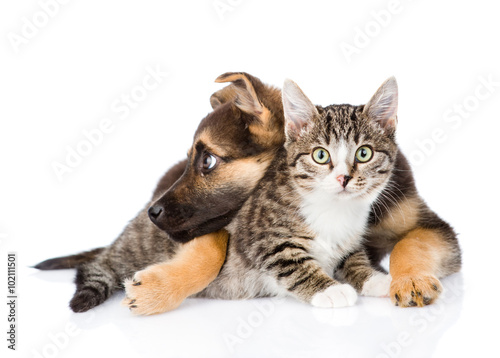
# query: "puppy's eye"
208,162
321,156
364,154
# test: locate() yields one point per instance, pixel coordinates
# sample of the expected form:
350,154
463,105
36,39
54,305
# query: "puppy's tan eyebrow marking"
205,141
202,147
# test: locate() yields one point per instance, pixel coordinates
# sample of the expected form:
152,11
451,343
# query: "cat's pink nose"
344,179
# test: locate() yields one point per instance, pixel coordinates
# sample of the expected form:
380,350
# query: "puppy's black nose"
154,212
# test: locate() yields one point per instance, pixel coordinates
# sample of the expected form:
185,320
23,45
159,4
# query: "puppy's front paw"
415,290
335,296
378,285
150,292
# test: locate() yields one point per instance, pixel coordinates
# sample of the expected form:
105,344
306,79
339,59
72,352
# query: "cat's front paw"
335,296
150,292
415,290
378,285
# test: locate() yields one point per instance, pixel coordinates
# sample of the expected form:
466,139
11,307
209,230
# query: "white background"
65,75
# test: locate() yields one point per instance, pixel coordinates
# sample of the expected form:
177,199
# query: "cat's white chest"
339,226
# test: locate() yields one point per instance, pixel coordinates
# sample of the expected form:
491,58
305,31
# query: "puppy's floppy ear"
299,109
246,98
248,91
227,94
383,106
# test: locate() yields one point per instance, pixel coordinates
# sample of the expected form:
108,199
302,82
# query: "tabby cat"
305,222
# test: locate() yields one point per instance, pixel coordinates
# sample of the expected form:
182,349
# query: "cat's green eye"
321,156
364,154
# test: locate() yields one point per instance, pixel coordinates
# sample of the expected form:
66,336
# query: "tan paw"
150,292
415,290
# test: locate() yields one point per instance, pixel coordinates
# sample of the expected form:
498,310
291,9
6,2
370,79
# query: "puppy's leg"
163,287
418,261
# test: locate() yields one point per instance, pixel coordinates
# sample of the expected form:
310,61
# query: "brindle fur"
273,249
143,244
247,126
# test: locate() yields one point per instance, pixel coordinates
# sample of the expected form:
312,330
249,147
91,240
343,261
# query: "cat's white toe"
378,285
335,296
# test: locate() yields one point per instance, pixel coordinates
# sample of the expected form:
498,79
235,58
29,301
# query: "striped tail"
71,261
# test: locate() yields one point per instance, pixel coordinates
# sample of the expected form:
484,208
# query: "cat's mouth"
347,193
341,192
344,193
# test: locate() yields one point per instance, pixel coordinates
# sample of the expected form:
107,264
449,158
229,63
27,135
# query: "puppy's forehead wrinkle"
204,141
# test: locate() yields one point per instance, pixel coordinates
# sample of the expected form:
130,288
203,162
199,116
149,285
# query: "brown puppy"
231,151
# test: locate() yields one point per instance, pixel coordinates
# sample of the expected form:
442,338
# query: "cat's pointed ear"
298,109
383,106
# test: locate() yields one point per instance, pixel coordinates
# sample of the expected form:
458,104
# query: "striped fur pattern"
423,247
303,227
141,244
242,133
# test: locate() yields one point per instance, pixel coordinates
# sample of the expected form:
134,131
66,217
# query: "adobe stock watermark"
32,25
422,319
12,302
454,118
222,7
121,108
364,35
59,341
248,325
